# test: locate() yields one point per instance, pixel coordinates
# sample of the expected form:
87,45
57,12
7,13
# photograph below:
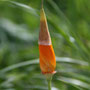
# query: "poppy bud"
47,55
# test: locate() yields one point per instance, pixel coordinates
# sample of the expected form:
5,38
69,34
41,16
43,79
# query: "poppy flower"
47,55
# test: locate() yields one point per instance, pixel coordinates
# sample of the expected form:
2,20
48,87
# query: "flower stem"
49,78
49,84
42,4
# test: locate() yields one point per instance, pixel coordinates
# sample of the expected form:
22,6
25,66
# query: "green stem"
49,84
49,79
42,4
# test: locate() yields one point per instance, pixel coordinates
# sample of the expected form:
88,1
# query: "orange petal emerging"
47,55
47,59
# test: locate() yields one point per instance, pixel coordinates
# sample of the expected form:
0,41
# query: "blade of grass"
74,82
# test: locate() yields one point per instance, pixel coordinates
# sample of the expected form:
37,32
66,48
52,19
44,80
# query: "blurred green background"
69,26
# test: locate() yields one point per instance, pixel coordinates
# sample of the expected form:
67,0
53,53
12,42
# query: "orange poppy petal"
47,58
